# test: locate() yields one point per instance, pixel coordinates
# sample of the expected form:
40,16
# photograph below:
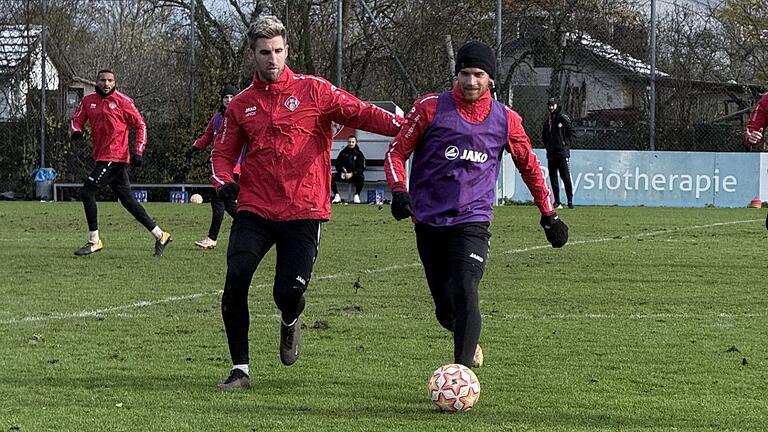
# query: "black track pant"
252,236
114,175
454,261
562,165
357,179
218,206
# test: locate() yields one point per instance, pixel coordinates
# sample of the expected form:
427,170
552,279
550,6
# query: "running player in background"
218,206
111,114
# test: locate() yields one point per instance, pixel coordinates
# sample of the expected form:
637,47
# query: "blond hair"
265,27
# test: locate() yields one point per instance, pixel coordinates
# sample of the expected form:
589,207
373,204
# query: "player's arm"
758,120
343,108
360,164
567,130
526,161
205,140
415,125
79,119
136,121
339,158
226,150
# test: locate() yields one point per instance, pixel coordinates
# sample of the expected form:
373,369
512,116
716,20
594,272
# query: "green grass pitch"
651,319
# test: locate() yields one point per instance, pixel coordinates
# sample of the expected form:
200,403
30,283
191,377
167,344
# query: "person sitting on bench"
350,168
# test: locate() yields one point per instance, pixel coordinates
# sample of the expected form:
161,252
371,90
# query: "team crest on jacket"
292,103
452,152
112,105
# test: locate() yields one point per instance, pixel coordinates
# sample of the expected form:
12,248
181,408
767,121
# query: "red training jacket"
287,127
110,117
417,123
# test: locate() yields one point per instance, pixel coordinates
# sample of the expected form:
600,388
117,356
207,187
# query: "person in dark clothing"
557,134
457,139
218,206
350,168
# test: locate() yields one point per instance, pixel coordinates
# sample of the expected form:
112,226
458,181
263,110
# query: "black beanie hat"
477,55
229,90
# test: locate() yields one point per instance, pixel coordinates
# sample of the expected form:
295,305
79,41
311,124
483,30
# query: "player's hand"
77,135
753,137
555,229
137,162
229,192
401,205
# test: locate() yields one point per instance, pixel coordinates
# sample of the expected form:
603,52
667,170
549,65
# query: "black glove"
77,135
555,230
401,205
229,192
137,162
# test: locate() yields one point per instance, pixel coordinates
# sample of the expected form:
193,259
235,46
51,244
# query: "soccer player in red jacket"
457,139
284,193
111,114
758,120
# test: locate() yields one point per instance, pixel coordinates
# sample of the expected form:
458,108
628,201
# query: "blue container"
178,196
140,195
375,196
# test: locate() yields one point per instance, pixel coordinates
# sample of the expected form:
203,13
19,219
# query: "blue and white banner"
658,179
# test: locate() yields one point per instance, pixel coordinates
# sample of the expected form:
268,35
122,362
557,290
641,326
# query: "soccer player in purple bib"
457,139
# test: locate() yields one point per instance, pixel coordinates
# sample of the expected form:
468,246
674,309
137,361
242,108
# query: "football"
196,199
454,388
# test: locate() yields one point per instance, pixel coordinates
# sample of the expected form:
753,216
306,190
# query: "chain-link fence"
596,65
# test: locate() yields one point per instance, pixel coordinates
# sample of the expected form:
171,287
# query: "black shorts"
106,173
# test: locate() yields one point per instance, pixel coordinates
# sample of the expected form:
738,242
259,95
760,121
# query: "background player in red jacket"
218,206
758,120
457,139
111,114
284,191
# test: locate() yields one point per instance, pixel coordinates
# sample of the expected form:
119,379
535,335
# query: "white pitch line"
140,304
648,234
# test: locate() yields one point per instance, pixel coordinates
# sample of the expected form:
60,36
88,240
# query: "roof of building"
620,59
16,42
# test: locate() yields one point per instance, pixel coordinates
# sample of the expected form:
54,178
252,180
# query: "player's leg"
121,186
249,241
217,216
468,248
101,175
431,245
297,248
552,166
335,188
359,181
565,174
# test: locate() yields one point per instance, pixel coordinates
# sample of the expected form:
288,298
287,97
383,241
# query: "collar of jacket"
281,82
474,111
